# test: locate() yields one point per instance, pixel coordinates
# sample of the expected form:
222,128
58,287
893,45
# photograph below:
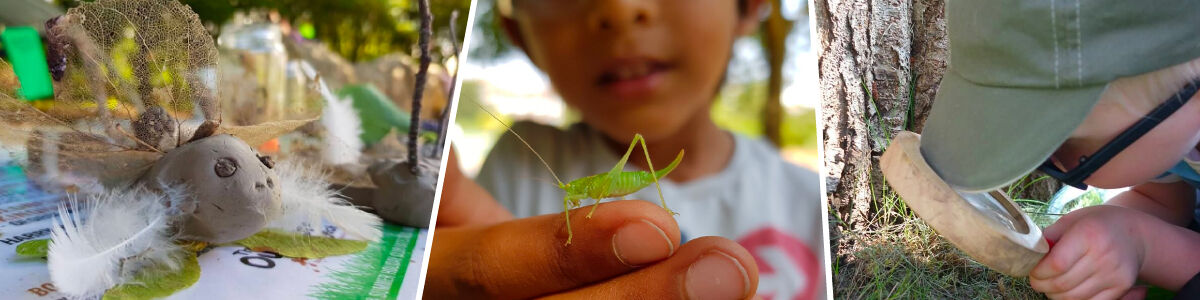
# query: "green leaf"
34,248
301,246
159,281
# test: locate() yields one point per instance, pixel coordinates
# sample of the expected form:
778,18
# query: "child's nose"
620,15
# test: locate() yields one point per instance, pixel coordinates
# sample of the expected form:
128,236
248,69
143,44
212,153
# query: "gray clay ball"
231,191
402,197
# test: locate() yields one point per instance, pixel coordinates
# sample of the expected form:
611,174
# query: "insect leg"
594,206
637,138
567,214
621,163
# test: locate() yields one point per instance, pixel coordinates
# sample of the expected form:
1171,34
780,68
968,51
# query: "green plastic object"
379,115
308,31
24,48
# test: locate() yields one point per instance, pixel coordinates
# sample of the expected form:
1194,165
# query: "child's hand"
1097,254
629,249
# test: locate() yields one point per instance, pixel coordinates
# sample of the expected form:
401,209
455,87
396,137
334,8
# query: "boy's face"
632,66
1123,103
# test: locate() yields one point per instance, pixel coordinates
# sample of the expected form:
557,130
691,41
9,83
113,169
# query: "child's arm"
1172,202
1171,257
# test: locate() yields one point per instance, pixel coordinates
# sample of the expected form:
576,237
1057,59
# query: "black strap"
1191,290
1089,164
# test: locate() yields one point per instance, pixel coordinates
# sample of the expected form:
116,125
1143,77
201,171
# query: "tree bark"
869,53
931,55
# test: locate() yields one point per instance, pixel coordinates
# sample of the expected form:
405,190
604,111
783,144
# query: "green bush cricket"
612,184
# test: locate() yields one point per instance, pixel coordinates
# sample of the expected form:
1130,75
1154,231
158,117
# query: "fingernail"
641,242
716,276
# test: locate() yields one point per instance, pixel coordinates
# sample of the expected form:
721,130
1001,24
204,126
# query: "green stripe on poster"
377,272
404,257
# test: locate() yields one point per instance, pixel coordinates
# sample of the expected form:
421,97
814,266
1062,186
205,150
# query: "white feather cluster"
307,200
106,240
342,130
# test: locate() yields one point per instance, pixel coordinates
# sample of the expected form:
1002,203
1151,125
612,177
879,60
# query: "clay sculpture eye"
225,167
267,161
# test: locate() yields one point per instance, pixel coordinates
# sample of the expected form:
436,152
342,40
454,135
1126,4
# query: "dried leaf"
134,55
160,282
301,246
258,134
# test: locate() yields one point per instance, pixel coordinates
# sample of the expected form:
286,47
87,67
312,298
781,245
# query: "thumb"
464,202
1136,293
1055,231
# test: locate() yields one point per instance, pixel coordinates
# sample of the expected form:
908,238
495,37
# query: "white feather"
308,200
107,240
342,127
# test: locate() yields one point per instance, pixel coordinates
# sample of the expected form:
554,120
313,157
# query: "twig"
453,85
415,125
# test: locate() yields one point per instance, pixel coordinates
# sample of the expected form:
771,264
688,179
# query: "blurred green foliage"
490,41
359,30
469,116
739,108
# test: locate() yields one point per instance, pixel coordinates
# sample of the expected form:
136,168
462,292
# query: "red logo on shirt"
787,267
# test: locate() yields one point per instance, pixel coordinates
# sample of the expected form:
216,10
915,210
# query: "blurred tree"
775,31
359,30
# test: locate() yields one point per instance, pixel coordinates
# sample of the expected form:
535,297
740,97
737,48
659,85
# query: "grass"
901,257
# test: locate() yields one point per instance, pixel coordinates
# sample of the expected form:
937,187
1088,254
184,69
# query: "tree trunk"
774,41
869,53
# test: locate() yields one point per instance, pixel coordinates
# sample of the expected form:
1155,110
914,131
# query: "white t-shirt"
768,205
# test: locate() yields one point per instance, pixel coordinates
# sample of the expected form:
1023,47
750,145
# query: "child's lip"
632,77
